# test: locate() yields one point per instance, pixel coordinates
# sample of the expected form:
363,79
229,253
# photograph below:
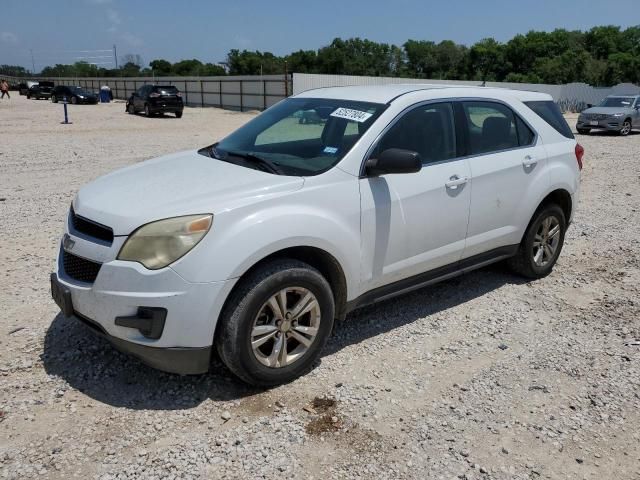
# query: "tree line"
601,56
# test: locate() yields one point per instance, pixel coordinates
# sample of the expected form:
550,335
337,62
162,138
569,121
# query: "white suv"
329,200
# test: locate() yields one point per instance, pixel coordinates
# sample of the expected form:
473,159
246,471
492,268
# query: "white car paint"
380,230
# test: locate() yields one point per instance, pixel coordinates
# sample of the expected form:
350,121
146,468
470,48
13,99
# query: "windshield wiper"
250,157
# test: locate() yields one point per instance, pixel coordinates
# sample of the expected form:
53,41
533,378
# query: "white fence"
250,92
570,97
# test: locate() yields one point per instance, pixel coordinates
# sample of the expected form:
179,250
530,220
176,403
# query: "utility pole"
115,56
33,63
286,80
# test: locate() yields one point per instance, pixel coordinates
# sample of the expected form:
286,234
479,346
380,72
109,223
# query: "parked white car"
254,245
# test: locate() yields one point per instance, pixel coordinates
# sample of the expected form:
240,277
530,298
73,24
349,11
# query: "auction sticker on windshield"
349,114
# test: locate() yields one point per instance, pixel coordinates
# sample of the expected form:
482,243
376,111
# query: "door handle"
456,181
529,161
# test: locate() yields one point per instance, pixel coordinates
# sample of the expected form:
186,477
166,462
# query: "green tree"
161,67
487,60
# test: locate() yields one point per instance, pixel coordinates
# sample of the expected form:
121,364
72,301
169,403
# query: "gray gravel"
482,377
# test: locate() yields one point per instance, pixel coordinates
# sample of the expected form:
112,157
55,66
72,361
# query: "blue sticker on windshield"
330,150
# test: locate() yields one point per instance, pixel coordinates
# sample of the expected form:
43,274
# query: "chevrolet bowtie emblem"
67,242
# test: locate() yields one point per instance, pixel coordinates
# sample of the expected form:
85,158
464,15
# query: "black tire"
131,109
626,128
54,99
523,262
74,100
178,114
147,112
584,131
28,97
233,337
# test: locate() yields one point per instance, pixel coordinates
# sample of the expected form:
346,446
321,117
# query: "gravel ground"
485,376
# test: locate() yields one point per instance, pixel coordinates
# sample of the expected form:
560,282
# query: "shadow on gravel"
382,317
92,366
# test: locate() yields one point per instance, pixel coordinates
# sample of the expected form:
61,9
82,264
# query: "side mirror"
394,160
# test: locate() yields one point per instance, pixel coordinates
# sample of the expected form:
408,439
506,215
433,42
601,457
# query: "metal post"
66,117
201,95
220,92
286,80
186,93
264,94
241,95
115,55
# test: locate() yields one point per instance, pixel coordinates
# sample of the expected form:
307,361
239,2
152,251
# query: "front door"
413,223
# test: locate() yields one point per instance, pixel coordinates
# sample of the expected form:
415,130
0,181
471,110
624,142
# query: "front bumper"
612,123
184,361
121,289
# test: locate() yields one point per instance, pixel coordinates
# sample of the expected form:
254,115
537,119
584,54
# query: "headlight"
617,115
158,244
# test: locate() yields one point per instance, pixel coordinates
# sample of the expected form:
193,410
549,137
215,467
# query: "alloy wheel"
546,241
285,327
626,128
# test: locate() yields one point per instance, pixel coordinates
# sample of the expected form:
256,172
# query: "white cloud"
114,16
132,39
8,37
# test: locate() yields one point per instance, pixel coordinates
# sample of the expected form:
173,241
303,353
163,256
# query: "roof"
387,93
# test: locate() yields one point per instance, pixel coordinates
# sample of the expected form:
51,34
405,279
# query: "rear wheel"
130,109
147,112
276,323
626,128
54,99
542,243
74,100
178,114
584,131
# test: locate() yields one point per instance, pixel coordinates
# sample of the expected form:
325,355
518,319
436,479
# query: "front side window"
427,129
492,127
298,136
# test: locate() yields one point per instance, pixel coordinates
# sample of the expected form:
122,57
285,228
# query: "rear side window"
550,113
491,127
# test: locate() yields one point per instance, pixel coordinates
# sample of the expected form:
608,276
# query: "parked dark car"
617,113
22,88
40,90
73,94
154,99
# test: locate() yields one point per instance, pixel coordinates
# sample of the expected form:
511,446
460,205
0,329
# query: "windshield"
302,136
624,102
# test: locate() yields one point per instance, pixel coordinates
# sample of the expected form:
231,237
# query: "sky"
65,31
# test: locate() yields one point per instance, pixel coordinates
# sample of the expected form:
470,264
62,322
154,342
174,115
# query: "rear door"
505,158
414,223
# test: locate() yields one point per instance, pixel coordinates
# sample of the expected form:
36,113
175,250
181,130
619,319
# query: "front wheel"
276,323
74,100
147,112
130,109
54,99
626,128
584,131
178,114
542,243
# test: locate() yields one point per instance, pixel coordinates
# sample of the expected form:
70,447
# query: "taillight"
154,95
579,155
178,94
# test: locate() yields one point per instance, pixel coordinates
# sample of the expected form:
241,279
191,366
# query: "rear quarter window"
550,113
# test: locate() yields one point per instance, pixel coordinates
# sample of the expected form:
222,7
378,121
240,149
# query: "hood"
608,110
184,183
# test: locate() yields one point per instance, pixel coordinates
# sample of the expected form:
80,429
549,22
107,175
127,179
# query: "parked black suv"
74,95
153,99
42,89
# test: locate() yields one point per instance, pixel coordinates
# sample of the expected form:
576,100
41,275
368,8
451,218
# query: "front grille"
596,116
80,268
90,228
